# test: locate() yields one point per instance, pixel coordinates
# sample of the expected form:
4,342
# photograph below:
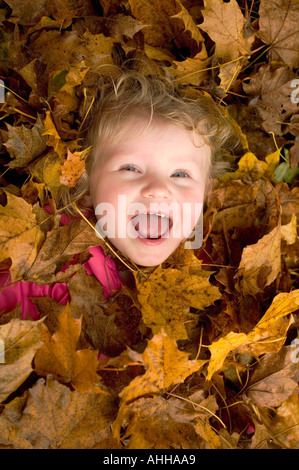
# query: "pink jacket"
98,265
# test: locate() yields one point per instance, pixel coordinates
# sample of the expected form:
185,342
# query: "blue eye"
180,174
129,168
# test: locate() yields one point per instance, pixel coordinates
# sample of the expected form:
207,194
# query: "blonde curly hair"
133,94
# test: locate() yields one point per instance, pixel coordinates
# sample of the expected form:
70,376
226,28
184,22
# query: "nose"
155,187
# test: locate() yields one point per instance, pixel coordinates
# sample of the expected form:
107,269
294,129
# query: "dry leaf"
268,335
24,144
52,416
280,30
224,23
58,355
165,365
260,264
272,381
21,236
73,168
21,339
167,295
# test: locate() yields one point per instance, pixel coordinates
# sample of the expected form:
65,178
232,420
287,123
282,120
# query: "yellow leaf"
54,140
221,348
268,336
167,295
249,166
21,339
191,70
58,355
260,263
21,236
189,23
224,23
285,423
165,366
272,160
289,231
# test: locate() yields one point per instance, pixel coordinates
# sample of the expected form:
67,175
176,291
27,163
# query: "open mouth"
152,225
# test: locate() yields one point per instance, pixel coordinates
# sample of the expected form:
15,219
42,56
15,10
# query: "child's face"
149,172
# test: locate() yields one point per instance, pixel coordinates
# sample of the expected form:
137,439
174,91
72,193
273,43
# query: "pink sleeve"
101,266
21,291
104,269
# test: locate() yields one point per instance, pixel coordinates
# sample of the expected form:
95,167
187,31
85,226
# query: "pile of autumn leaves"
201,352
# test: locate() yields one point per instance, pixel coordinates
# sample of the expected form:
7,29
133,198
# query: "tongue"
151,225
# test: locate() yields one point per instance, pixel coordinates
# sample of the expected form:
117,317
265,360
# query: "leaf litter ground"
202,351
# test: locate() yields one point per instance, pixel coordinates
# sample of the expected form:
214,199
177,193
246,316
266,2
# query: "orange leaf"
58,356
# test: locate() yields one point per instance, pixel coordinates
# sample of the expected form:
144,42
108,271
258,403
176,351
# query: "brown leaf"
21,339
21,236
51,416
166,296
224,23
278,27
260,264
271,87
58,355
286,420
28,14
156,423
99,328
25,144
272,380
60,247
155,16
165,365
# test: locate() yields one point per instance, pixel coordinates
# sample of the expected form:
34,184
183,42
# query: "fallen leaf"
58,355
268,336
271,88
224,23
273,380
60,247
21,339
260,264
145,421
280,30
165,365
73,168
285,424
25,144
289,231
52,416
167,295
21,236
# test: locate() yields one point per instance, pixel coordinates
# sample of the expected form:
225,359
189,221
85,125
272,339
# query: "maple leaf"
24,144
165,365
224,23
58,355
285,422
260,264
19,228
167,295
280,31
73,168
52,416
267,336
271,87
21,339
273,380
60,247
146,420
